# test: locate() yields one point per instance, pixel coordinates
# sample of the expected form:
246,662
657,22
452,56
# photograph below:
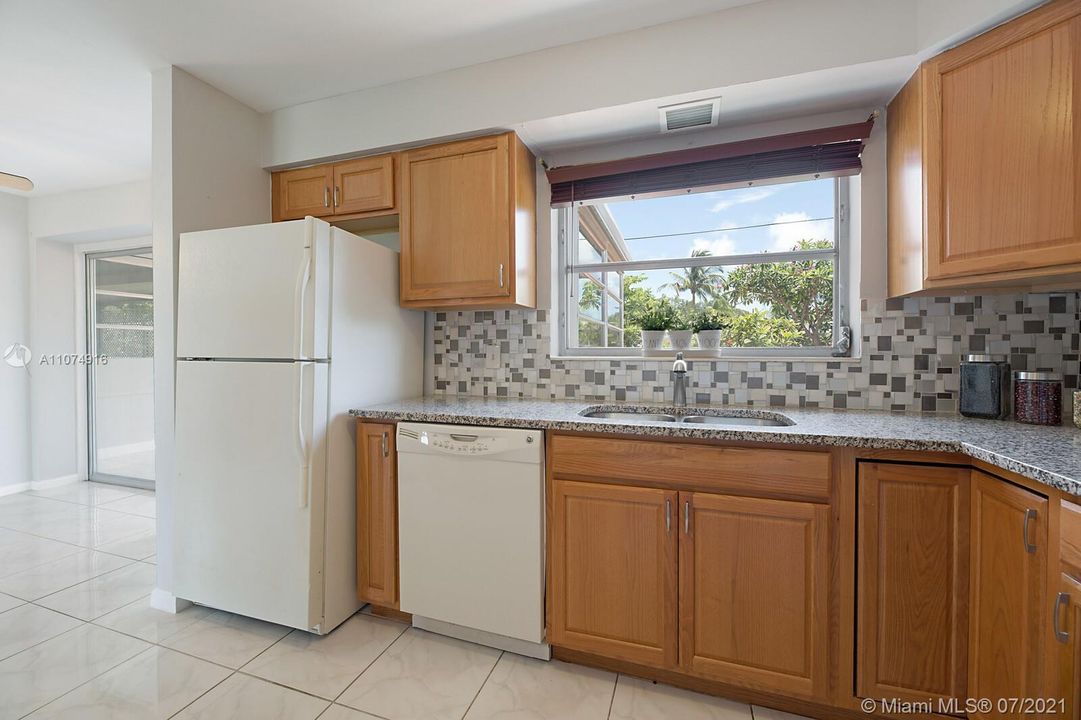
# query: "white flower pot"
709,340
681,339
652,340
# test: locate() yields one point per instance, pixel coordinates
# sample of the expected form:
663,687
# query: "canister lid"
984,358
1038,376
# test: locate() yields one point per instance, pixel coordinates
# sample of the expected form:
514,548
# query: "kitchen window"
769,259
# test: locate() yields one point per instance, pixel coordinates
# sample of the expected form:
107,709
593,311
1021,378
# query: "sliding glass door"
120,381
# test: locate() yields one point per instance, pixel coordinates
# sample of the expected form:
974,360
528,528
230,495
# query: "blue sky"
721,211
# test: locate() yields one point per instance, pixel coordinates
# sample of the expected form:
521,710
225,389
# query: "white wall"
771,39
207,157
53,388
61,226
106,213
14,328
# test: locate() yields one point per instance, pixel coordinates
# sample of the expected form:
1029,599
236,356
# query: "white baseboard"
167,602
54,482
12,489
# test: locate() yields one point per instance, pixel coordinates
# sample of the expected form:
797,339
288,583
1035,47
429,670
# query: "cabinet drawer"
798,474
1070,536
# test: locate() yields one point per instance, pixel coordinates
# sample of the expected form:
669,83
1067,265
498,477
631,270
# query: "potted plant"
708,324
655,321
680,332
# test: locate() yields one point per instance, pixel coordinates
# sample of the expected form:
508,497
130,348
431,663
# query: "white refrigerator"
281,328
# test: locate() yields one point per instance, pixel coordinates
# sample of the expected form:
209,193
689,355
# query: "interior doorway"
120,377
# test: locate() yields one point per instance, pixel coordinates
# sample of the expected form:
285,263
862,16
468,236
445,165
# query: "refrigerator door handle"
301,293
301,440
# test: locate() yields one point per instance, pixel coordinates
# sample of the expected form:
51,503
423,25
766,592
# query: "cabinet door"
613,571
364,185
298,193
456,220
1066,624
912,581
1004,148
1008,590
377,515
753,592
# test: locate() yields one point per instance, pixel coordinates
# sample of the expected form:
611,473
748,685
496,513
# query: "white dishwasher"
471,533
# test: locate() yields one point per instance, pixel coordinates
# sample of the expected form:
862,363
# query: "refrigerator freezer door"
249,488
256,292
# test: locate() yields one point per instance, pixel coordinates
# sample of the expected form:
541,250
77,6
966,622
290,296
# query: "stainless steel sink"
734,420
712,418
629,415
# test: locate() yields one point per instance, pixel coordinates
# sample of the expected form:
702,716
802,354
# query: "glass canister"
1037,398
985,386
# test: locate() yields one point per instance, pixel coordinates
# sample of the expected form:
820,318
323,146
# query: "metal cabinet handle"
668,516
336,203
326,196
1061,601
1030,515
687,517
500,274
385,445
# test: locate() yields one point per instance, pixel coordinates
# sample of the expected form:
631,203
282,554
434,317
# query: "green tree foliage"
758,329
698,282
798,292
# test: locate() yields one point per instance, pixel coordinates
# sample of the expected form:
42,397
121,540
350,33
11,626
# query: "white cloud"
722,245
786,236
732,198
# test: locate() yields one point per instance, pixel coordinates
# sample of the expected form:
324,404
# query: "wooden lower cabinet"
1066,624
377,515
912,581
1008,591
753,576
613,571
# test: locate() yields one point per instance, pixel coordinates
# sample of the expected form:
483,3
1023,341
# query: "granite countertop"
1050,455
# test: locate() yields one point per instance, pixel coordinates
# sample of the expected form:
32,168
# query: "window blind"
827,152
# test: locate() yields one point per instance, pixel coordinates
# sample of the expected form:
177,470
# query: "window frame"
569,270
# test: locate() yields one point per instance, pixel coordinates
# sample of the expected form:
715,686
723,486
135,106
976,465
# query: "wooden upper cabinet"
364,185
468,225
302,192
351,189
613,568
984,160
377,515
1009,603
912,581
754,577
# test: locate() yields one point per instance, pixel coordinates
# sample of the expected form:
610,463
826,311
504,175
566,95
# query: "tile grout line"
486,679
612,700
90,680
368,666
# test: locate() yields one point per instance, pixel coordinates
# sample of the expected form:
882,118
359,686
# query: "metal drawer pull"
326,196
668,516
1061,601
687,517
1030,515
386,445
336,203
500,274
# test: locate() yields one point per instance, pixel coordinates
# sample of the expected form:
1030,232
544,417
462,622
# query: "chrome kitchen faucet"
679,387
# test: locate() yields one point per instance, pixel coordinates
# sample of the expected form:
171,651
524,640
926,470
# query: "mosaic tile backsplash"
911,351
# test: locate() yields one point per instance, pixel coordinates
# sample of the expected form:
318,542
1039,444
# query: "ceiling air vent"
685,116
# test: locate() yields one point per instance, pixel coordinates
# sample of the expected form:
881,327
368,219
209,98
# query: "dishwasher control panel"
507,443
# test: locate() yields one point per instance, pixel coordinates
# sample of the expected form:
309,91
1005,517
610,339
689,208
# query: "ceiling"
76,85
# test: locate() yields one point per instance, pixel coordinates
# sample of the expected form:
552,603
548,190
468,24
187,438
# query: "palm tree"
700,282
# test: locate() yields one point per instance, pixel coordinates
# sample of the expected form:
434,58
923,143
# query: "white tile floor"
78,639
